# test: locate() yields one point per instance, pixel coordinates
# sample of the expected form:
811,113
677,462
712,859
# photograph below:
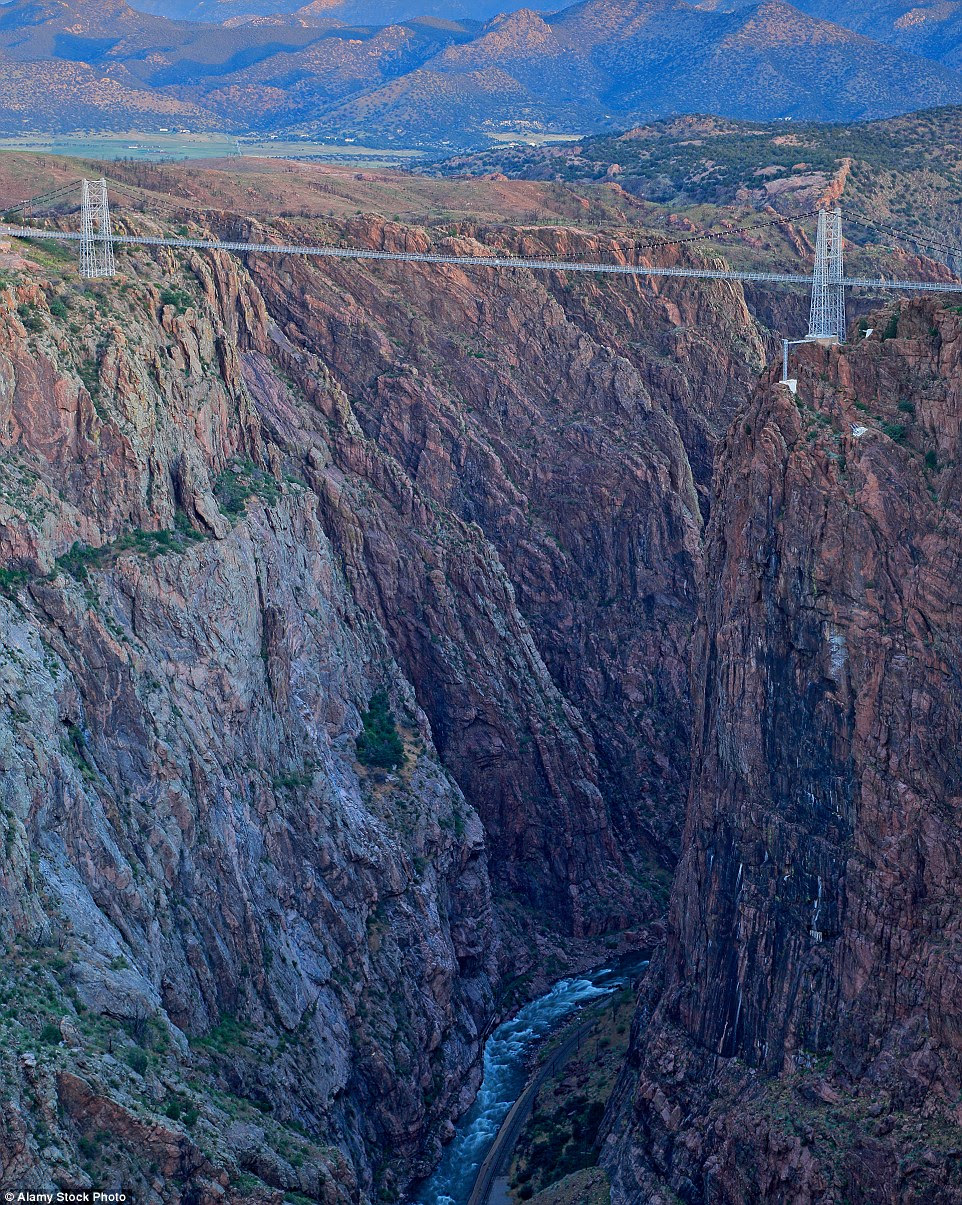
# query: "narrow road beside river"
491,1186
507,1060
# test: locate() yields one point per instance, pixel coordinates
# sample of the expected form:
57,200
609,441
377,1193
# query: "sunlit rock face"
227,916
803,1025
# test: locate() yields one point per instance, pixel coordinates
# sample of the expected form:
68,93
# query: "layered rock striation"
237,503
799,1037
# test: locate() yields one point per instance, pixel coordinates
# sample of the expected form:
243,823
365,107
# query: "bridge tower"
827,321
96,248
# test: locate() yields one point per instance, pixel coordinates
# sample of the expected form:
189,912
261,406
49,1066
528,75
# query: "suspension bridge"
97,242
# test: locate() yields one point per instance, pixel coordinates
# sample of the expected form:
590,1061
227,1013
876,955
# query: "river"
507,1057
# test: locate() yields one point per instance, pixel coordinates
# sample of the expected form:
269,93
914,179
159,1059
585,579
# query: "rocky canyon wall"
210,910
572,422
236,502
799,1037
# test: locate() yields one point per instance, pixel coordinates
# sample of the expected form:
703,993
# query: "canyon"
238,501
626,601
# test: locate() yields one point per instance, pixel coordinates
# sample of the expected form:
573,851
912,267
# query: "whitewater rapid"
506,1066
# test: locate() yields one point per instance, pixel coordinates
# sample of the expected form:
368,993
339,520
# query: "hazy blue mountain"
437,82
932,28
362,12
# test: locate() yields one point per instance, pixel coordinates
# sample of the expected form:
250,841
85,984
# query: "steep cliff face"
233,956
800,1037
551,414
235,504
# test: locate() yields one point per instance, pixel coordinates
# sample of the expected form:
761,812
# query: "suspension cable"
729,229
885,228
47,198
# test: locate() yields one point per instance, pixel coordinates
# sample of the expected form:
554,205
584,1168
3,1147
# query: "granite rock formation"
236,503
799,1039
197,874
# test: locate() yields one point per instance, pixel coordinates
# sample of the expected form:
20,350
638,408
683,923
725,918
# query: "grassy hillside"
905,172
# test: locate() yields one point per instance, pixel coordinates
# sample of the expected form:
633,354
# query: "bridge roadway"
483,261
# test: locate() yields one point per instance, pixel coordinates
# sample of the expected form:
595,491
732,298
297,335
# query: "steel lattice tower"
827,319
96,247
87,267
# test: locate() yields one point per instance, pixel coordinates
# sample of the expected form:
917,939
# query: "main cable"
885,228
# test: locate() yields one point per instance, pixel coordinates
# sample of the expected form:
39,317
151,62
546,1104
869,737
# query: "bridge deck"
484,261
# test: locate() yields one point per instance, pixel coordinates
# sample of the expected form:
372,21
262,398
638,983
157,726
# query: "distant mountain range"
932,28
442,83
359,12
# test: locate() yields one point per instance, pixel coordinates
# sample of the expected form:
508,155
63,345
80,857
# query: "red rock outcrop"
799,1040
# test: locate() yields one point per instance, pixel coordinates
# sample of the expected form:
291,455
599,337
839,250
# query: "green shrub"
292,780
236,484
78,561
30,318
232,492
891,328
12,579
895,431
906,407
931,461
380,743
180,300
50,1035
89,373
137,1060
81,558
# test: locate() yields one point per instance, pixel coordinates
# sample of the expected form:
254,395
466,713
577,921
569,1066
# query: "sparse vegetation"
81,558
560,1138
380,743
241,481
30,317
176,297
137,1060
53,249
293,780
11,579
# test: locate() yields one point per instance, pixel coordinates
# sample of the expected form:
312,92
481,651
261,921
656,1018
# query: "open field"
530,139
151,147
